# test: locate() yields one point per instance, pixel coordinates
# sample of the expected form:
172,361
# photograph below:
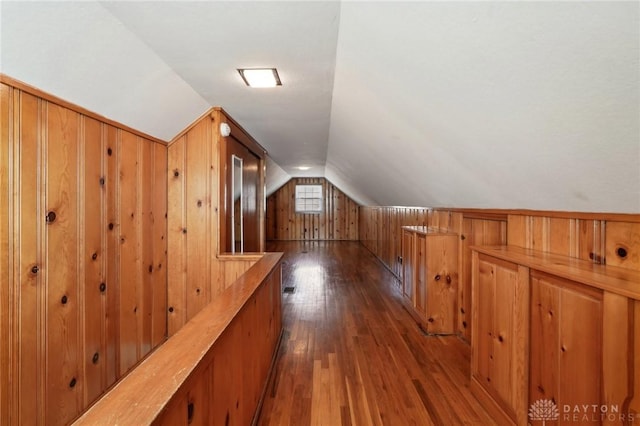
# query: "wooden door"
566,344
250,193
501,333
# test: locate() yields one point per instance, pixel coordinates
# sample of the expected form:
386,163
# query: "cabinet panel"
441,283
566,342
421,275
500,336
408,265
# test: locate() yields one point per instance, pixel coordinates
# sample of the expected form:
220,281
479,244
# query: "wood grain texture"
28,291
62,323
609,278
501,335
431,277
337,221
196,218
352,355
63,284
161,390
92,251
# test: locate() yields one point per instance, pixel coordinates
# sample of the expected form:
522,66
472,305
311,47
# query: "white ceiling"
466,104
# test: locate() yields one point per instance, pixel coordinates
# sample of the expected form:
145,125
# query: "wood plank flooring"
352,355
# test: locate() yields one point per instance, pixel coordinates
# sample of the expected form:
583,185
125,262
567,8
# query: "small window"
308,198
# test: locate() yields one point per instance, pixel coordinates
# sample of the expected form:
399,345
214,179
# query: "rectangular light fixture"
260,77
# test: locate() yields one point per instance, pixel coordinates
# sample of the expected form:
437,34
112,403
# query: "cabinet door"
421,275
501,331
566,343
408,265
441,283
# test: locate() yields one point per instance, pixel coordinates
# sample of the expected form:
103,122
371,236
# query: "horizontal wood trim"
501,214
616,280
157,380
428,230
66,104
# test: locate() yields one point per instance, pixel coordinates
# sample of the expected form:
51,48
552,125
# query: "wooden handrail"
140,397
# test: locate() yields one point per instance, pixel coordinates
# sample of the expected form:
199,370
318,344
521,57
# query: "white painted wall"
81,53
498,105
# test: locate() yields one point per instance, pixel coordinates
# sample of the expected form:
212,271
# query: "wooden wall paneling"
176,236
92,249
623,245
588,246
130,251
6,139
519,231
339,219
111,295
197,218
28,289
64,393
271,219
227,406
159,220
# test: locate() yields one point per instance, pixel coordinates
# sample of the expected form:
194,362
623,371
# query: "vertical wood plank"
176,238
111,296
159,219
130,247
63,349
198,233
146,198
93,259
28,288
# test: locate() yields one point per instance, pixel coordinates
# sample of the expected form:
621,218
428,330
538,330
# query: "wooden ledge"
614,279
142,395
428,230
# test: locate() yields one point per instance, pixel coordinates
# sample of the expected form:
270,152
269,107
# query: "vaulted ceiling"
464,104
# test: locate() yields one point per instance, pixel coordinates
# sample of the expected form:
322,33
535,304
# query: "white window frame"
309,198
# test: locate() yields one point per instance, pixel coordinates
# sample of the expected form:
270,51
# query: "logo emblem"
544,409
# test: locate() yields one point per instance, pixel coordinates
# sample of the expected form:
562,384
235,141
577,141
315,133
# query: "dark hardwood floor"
352,355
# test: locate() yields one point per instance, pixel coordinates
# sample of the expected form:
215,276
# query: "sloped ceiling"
466,104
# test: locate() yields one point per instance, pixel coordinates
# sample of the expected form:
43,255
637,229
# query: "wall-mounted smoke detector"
260,77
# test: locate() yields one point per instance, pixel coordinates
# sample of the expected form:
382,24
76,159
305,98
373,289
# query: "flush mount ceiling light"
303,167
260,77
